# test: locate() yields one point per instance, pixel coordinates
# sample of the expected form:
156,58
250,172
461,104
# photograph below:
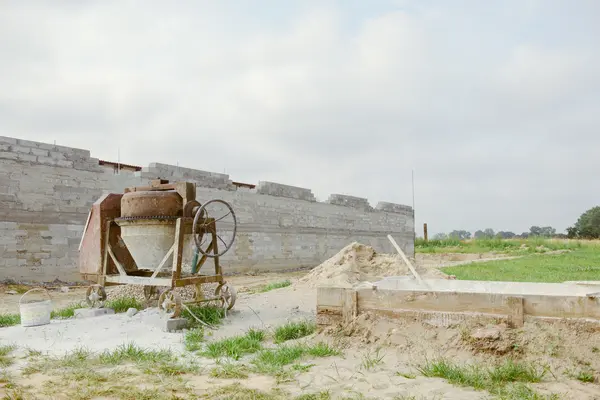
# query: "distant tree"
485,234
440,236
460,235
545,231
505,235
524,235
535,231
571,232
489,233
588,224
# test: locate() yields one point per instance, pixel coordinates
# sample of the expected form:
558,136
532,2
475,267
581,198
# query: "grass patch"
122,304
274,285
582,264
210,315
324,395
237,391
372,359
5,350
229,370
131,352
505,380
193,339
511,246
271,361
236,346
68,311
586,377
9,320
294,330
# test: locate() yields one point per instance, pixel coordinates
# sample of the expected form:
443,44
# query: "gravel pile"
137,291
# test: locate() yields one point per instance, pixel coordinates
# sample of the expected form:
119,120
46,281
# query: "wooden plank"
516,317
330,296
197,279
164,260
487,303
561,306
432,301
350,305
114,259
178,253
410,266
87,223
138,280
329,310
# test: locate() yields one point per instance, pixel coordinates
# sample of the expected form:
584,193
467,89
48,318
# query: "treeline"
587,226
534,231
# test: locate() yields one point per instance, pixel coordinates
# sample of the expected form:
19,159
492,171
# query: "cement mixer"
147,235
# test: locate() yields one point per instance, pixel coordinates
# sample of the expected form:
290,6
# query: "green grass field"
538,260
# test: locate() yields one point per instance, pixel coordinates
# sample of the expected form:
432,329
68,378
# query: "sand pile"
358,263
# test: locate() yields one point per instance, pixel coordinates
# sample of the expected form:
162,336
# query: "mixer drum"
148,225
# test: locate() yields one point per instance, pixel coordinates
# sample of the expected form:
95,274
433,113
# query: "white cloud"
496,117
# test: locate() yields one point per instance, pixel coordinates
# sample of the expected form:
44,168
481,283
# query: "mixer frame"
162,278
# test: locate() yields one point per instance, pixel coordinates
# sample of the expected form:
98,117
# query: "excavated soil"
358,263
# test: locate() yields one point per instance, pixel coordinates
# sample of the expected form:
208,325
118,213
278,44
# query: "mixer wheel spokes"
227,294
169,303
95,296
206,229
151,293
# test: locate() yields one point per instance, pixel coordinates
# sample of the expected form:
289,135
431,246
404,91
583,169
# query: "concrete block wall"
46,192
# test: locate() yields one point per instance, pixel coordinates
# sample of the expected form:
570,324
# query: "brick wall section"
46,192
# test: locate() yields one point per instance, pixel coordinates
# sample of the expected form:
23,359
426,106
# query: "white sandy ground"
406,346
145,328
341,375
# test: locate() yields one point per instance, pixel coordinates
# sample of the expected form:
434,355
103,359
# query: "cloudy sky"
495,105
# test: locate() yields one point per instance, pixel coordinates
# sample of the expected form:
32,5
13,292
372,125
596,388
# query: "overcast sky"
495,105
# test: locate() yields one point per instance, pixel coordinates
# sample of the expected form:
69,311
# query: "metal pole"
413,205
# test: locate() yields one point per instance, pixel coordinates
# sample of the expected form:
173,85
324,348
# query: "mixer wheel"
151,293
95,296
169,303
227,294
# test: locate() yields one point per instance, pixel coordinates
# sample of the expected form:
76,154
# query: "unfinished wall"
46,192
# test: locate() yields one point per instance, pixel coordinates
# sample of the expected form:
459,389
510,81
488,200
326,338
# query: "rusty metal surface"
91,255
146,203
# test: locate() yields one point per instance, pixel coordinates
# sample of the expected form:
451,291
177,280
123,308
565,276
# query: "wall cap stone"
394,208
280,190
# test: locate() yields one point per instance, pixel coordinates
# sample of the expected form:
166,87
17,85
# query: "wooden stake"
425,231
399,250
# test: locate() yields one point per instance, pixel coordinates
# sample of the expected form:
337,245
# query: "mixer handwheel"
169,303
95,296
206,227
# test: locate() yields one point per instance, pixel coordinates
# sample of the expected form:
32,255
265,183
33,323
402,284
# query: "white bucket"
35,313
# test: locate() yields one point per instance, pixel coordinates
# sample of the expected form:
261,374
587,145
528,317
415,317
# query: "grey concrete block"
9,140
7,155
175,324
93,312
39,152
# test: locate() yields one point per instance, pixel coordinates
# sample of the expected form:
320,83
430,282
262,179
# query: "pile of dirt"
358,263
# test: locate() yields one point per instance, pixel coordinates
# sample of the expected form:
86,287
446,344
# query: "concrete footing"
93,312
175,324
